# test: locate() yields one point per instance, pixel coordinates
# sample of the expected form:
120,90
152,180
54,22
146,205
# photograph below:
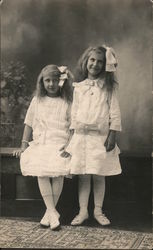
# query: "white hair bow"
65,73
111,60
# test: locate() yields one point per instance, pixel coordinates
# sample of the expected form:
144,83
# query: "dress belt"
86,131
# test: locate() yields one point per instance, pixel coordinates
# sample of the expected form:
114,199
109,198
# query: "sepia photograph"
76,124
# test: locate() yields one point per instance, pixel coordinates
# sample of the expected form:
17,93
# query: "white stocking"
57,186
84,191
46,192
99,192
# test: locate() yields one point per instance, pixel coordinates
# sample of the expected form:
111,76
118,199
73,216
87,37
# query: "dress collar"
97,82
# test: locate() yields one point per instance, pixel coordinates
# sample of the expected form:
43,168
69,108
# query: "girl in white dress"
48,120
95,119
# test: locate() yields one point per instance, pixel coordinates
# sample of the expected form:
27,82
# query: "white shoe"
79,219
54,220
102,219
45,220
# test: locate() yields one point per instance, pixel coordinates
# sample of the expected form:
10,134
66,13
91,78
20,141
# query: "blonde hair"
81,72
66,91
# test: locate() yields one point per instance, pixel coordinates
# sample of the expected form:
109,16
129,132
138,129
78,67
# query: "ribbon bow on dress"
97,83
89,84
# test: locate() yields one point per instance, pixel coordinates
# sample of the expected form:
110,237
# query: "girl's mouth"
95,69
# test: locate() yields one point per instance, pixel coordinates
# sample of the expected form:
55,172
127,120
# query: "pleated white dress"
50,121
93,109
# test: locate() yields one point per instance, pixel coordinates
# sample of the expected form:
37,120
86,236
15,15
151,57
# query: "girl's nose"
51,83
95,63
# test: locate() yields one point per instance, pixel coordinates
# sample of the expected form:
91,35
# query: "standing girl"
48,120
95,120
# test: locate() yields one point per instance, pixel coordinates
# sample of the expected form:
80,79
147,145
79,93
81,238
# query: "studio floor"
22,232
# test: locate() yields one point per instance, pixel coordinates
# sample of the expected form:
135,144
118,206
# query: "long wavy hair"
65,92
81,72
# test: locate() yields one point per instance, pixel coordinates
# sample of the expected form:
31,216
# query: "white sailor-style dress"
50,121
93,114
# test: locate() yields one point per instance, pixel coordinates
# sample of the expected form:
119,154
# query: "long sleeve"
115,115
29,118
74,109
69,113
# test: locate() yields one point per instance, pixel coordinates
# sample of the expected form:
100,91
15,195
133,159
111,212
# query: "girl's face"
95,64
51,84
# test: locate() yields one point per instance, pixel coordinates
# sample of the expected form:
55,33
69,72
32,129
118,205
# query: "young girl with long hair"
95,120
48,120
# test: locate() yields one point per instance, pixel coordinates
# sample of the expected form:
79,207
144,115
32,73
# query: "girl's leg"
84,191
47,195
99,193
57,186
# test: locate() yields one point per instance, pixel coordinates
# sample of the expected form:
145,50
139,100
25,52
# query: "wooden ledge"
8,151
5,151
9,163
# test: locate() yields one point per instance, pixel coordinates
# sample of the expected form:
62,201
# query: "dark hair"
66,91
81,72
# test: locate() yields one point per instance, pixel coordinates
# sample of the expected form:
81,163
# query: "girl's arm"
65,153
28,127
110,141
25,141
74,107
73,121
115,122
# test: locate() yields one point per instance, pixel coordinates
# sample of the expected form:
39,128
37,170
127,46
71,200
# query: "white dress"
50,121
93,109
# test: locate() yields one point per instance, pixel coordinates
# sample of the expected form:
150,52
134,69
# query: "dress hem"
47,175
95,173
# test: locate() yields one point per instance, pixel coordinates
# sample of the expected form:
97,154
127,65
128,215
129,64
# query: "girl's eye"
47,80
92,60
55,81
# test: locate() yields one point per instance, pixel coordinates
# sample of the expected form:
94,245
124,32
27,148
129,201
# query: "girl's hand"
64,153
17,153
25,141
110,141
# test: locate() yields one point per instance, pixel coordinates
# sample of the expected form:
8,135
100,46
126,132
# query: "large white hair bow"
64,74
111,60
